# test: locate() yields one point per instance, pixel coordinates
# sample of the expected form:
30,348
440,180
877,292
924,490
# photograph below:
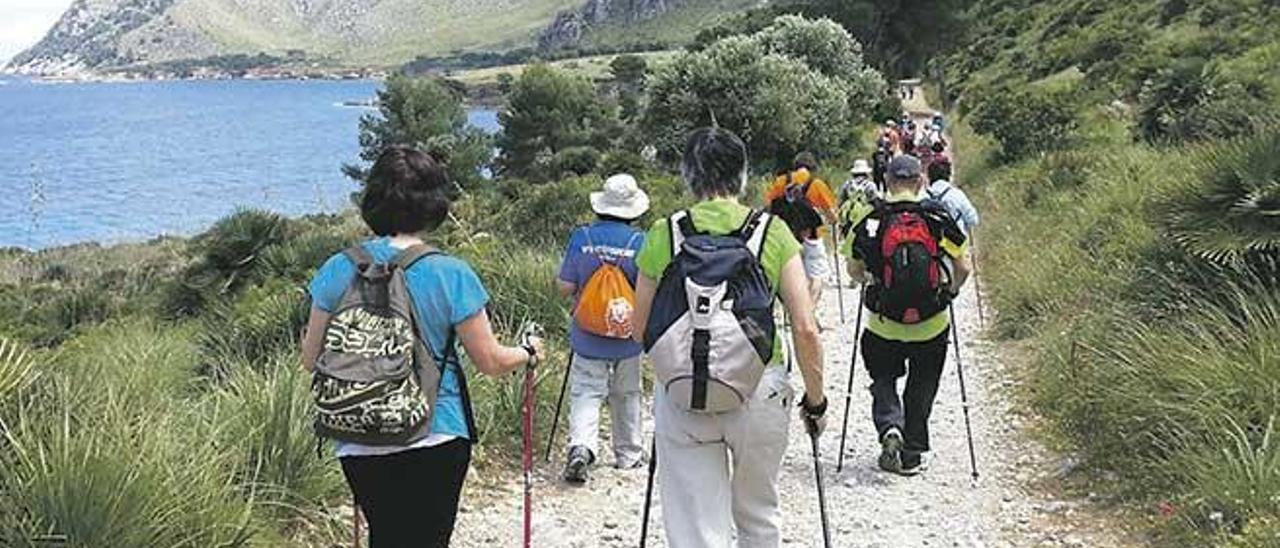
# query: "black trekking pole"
822,496
964,398
848,391
555,422
835,237
648,492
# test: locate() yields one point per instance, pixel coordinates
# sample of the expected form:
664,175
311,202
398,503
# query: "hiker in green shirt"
915,259
719,456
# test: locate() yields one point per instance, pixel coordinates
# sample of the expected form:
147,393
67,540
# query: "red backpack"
905,258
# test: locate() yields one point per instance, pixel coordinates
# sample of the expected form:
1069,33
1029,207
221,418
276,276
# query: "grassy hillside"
1123,156
369,32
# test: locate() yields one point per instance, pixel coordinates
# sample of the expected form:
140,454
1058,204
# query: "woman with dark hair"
719,474
409,493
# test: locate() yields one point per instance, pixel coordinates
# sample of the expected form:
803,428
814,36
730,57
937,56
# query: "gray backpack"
375,381
710,331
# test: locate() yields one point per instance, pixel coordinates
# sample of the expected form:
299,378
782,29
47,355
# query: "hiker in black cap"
915,259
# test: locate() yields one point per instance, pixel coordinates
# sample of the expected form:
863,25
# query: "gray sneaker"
575,471
891,451
914,464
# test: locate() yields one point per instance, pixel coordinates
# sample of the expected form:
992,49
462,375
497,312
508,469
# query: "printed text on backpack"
375,381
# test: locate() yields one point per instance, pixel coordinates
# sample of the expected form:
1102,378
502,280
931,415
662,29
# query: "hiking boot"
639,462
913,464
575,471
891,451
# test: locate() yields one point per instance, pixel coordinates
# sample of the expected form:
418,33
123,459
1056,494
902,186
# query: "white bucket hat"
860,167
621,198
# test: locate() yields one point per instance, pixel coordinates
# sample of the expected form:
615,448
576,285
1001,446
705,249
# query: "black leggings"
410,499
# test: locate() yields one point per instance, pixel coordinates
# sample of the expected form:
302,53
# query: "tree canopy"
798,84
427,113
554,123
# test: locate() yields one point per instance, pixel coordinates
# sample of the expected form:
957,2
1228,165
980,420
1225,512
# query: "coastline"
483,96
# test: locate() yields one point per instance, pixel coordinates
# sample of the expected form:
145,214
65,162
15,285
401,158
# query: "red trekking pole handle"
531,330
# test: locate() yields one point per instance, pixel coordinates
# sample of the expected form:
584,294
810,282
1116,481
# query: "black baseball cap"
904,166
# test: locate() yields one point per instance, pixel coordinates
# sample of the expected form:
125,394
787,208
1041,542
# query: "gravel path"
943,507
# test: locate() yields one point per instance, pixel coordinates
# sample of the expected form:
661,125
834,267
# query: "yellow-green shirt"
720,216
953,244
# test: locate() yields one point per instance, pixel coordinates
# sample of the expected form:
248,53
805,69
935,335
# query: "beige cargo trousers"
718,474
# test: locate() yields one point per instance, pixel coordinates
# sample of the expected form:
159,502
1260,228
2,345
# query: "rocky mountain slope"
632,22
100,34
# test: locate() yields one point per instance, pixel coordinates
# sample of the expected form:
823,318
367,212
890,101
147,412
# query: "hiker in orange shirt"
807,204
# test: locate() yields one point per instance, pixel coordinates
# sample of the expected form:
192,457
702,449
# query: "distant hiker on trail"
918,259
807,205
890,139
599,272
708,280
860,185
938,121
388,313
942,191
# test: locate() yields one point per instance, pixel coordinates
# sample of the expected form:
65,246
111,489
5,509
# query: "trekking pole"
822,496
356,523
648,492
964,398
528,456
529,331
564,387
848,391
835,257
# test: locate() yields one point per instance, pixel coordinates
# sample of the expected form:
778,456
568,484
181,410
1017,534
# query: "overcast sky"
23,22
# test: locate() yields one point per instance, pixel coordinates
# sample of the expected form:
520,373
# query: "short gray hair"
715,163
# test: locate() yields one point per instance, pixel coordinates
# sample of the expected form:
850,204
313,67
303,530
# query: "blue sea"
114,162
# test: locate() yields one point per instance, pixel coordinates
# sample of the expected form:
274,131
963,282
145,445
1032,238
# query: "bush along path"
867,507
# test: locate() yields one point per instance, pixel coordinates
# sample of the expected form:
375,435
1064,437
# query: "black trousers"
922,363
410,499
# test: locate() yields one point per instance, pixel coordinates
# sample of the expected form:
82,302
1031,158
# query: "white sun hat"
860,167
621,198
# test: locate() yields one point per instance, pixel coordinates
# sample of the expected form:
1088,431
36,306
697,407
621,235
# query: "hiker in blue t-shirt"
409,493
604,366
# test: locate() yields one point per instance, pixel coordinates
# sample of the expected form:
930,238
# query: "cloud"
26,22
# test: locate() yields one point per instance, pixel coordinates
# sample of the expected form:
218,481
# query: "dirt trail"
943,507
1007,506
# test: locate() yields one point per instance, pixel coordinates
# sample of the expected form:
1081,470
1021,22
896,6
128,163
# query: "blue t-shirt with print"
445,292
618,243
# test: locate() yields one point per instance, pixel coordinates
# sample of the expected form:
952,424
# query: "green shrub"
575,161
265,321
1026,121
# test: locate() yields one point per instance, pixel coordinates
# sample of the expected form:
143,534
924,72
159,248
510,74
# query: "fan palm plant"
16,369
1230,213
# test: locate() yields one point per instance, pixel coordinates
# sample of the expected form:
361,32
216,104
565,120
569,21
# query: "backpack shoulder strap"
754,230
681,227
413,254
359,256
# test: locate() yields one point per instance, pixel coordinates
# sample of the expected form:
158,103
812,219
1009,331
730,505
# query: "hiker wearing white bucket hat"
621,198
860,185
599,274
